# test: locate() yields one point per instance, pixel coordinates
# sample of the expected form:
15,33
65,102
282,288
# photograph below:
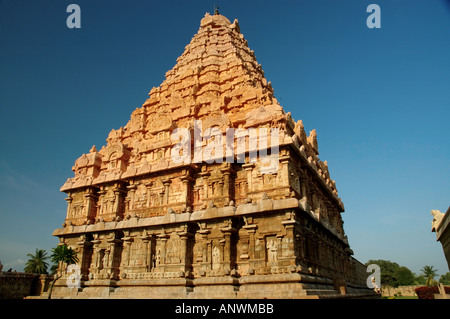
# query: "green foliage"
404,276
388,269
64,254
36,263
445,279
392,274
431,282
429,273
420,280
54,269
61,254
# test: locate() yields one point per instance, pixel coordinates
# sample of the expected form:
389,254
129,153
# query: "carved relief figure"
77,210
216,258
106,259
98,262
272,250
172,255
437,217
140,196
245,247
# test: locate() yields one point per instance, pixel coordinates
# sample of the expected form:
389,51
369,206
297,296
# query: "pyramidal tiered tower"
177,205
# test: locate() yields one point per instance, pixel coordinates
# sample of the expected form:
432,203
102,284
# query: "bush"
429,292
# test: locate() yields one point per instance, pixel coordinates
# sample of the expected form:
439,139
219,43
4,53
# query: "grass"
399,297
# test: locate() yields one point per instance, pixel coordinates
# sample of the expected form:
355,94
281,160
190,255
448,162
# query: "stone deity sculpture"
272,248
437,217
216,257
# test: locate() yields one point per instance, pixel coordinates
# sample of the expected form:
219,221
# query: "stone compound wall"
400,290
14,285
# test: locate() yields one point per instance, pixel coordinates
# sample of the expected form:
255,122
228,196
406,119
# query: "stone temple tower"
211,190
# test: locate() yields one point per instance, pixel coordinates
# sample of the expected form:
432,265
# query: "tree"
404,276
54,269
61,255
37,264
420,280
445,279
388,272
429,272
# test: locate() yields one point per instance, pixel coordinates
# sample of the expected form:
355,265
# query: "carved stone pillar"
126,253
251,229
118,199
224,257
289,229
204,232
166,184
187,187
101,200
226,187
149,186
227,260
95,260
84,256
162,243
185,255
69,200
299,248
90,203
284,171
114,251
205,245
205,175
147,240
249,169
303,182
131,192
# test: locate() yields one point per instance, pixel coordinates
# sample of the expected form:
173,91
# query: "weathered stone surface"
17,285
441,225
145,226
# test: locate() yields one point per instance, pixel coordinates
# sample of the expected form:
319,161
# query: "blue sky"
378,98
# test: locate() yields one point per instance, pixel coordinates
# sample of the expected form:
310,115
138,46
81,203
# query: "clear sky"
378,98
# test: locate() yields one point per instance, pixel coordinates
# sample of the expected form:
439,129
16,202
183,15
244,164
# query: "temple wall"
14,285
400,290
217,244
217,225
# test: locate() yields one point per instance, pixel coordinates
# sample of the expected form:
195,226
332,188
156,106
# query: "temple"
149,220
